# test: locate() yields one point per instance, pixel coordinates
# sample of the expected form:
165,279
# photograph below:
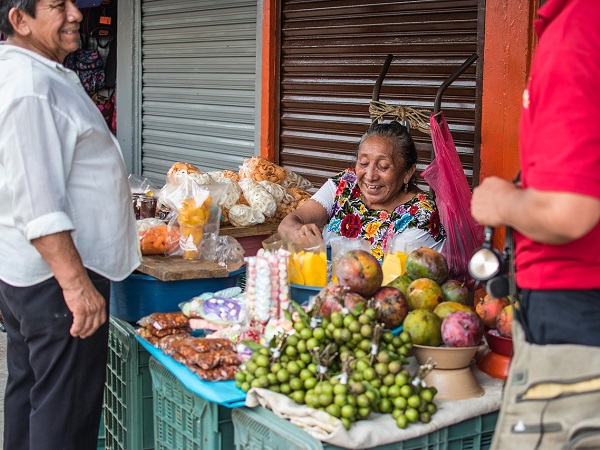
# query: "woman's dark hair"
27,6
400,140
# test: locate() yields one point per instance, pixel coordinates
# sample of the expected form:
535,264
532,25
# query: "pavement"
3,376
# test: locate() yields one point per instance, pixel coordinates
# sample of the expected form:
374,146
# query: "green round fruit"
424,327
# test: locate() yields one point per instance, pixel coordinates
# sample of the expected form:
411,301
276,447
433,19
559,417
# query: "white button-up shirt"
61,169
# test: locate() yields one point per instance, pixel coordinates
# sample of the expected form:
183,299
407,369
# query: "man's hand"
488,200
88,308
81,297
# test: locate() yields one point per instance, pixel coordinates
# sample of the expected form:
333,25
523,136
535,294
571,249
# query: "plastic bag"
156,237
197,213
341,245
228,252
308,262
259,168
453,197
396,254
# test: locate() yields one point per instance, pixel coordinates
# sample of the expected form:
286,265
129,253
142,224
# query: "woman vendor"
377,197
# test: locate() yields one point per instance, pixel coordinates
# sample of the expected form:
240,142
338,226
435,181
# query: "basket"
128,418
183,420
260,428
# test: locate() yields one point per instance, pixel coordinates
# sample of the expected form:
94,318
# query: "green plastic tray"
184,420
128,417
260,428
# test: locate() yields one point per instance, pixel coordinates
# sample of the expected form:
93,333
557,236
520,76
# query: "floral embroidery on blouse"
351,218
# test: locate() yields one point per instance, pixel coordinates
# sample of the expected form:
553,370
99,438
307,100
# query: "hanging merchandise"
101,21
89,66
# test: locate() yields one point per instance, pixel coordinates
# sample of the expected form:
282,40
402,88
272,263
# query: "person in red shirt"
555,211
555,215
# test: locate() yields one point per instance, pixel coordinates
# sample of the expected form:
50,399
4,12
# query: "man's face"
54,32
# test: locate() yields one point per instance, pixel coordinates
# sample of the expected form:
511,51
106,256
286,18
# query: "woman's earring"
406,188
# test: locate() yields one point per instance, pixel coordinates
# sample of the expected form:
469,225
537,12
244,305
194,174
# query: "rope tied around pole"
417,118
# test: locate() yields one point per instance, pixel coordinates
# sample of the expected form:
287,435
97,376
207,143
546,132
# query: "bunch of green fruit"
347,365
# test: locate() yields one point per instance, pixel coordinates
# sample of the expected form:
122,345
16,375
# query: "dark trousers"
561,317
53,398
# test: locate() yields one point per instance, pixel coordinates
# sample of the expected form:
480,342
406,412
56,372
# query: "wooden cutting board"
175,268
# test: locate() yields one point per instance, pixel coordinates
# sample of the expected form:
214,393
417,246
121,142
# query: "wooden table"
262,229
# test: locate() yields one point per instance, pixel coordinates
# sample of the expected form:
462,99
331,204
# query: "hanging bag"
453,197
101,21
89,67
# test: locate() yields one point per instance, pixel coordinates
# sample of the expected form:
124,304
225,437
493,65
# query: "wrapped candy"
267,286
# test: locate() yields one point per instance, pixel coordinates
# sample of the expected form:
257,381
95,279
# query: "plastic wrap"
156,237
196,212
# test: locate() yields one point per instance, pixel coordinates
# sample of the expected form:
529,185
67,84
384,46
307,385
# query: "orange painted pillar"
508,46
269,119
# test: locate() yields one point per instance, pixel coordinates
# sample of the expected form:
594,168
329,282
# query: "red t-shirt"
560,139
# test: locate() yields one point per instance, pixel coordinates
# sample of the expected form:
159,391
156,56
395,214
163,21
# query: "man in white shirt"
66,229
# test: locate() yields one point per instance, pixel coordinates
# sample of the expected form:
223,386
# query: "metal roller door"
198,84
331,55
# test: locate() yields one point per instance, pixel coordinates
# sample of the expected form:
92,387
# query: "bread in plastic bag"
259,169
278,192
244,216
258,197
294,180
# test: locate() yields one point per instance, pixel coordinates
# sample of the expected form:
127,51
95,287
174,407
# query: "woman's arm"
308,220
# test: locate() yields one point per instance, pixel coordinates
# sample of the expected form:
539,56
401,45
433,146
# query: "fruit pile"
439,307
346,364
496,313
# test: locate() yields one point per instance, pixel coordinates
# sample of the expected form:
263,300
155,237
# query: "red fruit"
462,329
355,302
489,307
330,299
504,321
390,305
360,271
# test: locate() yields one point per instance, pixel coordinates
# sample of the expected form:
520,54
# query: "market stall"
225,347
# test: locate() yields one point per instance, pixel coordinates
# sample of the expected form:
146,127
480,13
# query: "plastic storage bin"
185,421
139,295
260,428
128,417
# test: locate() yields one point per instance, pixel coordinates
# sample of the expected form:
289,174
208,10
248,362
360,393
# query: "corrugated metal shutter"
198,84
332,53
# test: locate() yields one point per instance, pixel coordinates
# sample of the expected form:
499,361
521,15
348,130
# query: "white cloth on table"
379,429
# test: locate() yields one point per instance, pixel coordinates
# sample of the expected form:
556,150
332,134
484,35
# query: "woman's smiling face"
380,175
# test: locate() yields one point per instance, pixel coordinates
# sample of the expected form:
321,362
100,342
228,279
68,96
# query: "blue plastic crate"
140,295
185,421
128,417
260,428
